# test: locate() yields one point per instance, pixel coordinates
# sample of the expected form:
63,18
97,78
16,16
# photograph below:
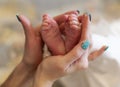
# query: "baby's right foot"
52,36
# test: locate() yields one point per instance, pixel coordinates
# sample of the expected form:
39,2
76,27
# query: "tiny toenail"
85,45
74,23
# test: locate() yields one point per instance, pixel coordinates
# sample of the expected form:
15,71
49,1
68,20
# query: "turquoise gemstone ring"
85,45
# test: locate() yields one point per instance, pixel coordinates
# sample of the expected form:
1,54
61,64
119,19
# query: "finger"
83,62
90,40
78,64
26,24
63,17
84,31
76,52
97,53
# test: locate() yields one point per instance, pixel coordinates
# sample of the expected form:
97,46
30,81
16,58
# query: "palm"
52,66
33,49
33,43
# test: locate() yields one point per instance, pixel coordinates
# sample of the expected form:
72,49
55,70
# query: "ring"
85,45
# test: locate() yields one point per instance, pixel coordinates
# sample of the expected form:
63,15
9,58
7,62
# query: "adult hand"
33,42
85,20
22,74
71,29
54,67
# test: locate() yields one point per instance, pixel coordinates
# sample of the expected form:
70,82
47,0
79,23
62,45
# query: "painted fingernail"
90,18
78,11
85,45
88,14
106,48
18,18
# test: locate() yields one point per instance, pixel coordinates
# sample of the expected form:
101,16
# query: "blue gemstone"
85,45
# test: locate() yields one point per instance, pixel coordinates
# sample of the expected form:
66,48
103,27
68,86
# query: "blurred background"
104,12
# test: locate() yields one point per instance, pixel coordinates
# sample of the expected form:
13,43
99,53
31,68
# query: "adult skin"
23,74
53,67
32,54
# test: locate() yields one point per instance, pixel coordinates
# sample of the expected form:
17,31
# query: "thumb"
26,24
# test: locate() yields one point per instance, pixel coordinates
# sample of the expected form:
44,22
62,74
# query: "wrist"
29,63
26,67
19,77
41,80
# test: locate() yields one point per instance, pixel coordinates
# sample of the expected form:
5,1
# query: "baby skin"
52,37
72,31
73,28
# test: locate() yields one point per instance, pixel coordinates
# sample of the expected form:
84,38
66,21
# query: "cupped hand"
74,28
33,44
56,66
32,52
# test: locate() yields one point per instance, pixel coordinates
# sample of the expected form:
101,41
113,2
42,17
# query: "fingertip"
85,17
17,16
88,15
102,49
24,20
84,27
106,48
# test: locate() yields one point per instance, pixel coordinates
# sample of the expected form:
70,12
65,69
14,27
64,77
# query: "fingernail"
18,18
85,45
88,14
78,11
106,48
90,18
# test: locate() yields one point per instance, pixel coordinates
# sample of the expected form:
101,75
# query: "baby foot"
52,36
72,32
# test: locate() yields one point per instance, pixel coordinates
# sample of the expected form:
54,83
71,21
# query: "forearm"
19,77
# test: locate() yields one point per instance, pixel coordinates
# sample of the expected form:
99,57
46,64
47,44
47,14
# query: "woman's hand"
32,53
54,67
33,44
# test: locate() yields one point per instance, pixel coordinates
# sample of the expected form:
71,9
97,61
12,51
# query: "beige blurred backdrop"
11,33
